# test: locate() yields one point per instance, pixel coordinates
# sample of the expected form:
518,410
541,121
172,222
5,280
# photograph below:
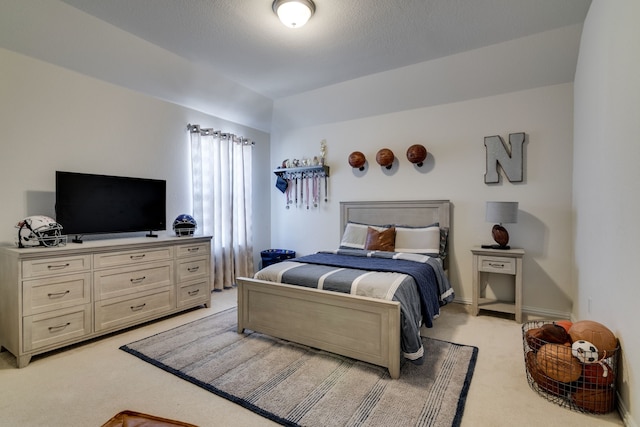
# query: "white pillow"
421,240
355,235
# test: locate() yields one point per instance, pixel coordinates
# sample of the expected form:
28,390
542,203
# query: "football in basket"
544,382
598,374
597,400
554,333
597,334
557,362
566,324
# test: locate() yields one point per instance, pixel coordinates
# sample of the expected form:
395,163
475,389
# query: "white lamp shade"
294,13
502,212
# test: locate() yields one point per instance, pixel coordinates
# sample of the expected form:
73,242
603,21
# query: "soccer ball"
585,351
595,333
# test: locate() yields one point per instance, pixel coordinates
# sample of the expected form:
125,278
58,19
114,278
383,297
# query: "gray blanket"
416,281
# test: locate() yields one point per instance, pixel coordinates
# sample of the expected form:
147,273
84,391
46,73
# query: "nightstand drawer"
495,264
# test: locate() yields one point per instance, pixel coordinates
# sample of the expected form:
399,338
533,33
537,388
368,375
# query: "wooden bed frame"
361,328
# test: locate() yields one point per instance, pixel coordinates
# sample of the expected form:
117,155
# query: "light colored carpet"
84,385
296,385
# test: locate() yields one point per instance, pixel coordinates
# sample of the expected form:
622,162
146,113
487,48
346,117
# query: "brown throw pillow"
381,240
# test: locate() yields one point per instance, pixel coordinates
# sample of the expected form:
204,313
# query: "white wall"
60,34
607,183
55,119
538,60
454,136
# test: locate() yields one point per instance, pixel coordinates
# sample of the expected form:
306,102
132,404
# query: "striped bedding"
416,281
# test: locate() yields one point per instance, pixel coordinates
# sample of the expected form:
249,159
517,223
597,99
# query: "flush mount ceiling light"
294,13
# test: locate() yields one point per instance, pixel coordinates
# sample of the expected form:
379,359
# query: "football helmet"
184,225
38,230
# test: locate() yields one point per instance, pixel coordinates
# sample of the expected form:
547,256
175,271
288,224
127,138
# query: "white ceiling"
345,39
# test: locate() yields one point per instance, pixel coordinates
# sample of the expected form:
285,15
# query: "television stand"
77,239
52,297
151,234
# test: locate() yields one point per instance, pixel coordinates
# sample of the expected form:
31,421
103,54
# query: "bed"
351,324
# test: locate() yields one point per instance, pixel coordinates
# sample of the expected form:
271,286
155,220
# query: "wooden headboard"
414,213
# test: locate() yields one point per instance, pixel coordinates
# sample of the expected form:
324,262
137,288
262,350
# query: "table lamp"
501,213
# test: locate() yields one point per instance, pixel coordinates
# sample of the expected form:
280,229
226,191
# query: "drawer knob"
58,266
138,279
59,327
192,293
193,269
496,265
137,256
138,307
58,294
193,249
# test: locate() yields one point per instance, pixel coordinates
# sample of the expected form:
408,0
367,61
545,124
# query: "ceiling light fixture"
294,13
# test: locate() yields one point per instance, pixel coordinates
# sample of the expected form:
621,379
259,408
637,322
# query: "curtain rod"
224,135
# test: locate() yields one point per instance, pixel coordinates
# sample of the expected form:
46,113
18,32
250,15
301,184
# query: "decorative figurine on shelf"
323,151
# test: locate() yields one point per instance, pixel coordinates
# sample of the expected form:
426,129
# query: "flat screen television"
100,204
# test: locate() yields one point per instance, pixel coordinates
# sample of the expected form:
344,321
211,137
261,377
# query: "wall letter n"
510,162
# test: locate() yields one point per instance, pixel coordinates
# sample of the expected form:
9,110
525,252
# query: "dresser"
53,297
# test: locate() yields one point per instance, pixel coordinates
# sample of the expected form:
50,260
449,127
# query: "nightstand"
487,262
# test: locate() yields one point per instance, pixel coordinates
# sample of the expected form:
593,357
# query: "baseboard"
462,301
545,313
535,312
627,420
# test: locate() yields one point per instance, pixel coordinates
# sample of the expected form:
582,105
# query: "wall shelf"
302,172
303,185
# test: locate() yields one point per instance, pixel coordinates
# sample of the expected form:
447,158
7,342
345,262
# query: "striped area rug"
296,385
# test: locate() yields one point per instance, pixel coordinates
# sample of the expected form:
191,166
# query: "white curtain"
221,173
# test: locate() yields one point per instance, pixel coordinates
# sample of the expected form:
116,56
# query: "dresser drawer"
56,327
124,258
122,281
57,265
496,264
193,250
54,293
194,293
119,312
193,268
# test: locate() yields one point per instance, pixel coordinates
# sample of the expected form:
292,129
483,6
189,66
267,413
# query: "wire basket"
560,377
